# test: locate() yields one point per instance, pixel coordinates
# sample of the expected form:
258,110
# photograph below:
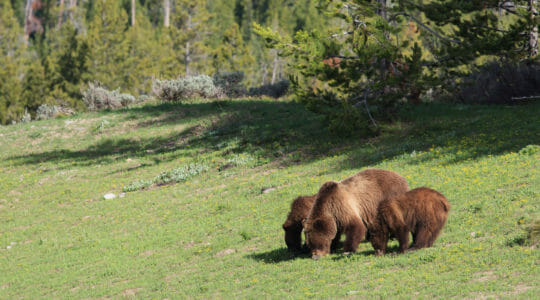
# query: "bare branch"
335,35
525,98
425,26
489,28
364,101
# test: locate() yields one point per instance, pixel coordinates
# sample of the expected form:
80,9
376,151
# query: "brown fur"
300,208
421,211
349,206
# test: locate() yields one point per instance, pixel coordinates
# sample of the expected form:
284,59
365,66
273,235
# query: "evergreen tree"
147,55
11,59
366,67
35,87
189,33
109,49
73,70
231,54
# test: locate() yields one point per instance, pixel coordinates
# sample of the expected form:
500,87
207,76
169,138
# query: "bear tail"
327,188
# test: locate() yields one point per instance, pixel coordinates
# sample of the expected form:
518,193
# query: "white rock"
109,196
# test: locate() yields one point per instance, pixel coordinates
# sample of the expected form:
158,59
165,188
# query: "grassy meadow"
208,185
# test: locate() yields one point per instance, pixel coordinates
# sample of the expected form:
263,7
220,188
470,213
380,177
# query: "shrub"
230,83
97,97
176,175
180,174
276,90
45,112
184,87
137,185
26,117
502,83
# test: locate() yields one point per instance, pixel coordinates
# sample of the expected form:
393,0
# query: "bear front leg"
403,237
355,233
379,240
335,242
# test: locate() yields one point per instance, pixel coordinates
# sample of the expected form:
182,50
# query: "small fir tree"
12,49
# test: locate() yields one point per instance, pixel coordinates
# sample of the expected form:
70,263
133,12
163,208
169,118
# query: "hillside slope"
217,231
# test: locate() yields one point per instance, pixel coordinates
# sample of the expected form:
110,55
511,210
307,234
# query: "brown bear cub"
300,208
422,212
349,207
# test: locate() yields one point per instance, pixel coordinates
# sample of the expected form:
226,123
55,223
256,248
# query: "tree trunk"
27,18
167,6
382,11
533,35
72,6
275,68
188,54
132,12
60,13
265,72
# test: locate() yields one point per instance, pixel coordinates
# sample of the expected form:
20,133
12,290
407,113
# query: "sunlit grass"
215,234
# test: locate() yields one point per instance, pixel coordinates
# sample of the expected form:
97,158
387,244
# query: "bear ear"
287,224
328,187
319,225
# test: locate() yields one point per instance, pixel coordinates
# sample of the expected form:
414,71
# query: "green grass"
214,234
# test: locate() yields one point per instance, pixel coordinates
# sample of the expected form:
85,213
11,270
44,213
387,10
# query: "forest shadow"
285,131
110,150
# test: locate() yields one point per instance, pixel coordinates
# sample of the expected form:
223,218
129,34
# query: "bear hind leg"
434,236
423,238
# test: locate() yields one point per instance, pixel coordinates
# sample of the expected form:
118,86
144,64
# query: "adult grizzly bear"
421,211
300,208
349,207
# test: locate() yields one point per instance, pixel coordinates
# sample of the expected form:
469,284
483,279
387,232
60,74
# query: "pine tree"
109,49
189,33
35,87
12,48
230,53
72,66
368,67
147,55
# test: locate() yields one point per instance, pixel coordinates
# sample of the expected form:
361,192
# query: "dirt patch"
192,244
131,292
521,288
485,276
147,253
225,252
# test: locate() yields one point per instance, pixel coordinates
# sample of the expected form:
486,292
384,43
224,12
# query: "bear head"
319,234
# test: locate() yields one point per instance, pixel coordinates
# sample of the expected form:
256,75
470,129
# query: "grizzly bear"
300,208
349,207
422,212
